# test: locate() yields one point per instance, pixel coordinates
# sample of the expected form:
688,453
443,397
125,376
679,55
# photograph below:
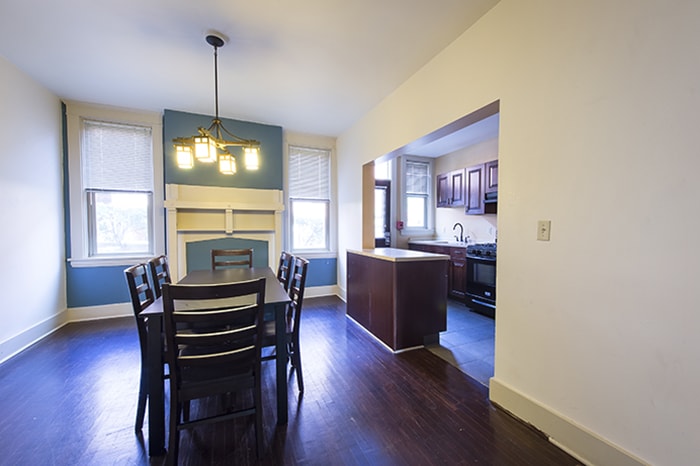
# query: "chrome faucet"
461,232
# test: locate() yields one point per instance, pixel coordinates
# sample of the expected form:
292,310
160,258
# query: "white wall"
32,276
599,107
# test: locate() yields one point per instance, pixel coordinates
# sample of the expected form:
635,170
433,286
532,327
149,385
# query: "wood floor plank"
71,399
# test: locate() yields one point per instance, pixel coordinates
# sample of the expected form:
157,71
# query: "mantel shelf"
197,205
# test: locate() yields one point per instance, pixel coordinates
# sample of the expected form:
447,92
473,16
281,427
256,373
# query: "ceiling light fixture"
211,143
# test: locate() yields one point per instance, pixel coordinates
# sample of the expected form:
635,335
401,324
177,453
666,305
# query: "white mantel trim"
195,213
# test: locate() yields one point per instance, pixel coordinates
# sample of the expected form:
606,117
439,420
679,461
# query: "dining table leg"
281,362
156,398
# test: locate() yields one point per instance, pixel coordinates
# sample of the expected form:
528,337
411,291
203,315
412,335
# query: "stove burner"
482,250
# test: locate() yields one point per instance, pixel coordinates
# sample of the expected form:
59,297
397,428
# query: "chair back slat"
297,284
140,291
231,258
206,331
283,269
160,273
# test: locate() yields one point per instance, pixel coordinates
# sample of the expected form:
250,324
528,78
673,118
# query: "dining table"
276,299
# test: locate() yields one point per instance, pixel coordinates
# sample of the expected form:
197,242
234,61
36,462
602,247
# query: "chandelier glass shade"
214,143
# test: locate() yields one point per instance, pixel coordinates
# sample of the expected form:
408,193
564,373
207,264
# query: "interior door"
382,210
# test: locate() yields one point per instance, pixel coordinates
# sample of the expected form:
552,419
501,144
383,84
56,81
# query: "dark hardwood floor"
71,400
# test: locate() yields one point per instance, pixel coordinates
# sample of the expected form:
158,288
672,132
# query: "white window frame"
308,142
429,208
76,113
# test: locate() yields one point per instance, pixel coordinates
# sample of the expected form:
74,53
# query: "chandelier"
212,144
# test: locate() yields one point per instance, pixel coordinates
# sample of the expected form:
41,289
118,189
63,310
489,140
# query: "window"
417,193
118,188
115,176
309,198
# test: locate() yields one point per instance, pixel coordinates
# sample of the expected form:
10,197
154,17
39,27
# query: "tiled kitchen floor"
468,343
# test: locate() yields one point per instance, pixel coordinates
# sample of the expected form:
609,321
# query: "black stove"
481,278
482,250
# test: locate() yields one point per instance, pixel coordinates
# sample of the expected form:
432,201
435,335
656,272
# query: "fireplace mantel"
196,213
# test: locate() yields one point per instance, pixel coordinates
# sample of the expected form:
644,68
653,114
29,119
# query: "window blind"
417,177
117,157
309,173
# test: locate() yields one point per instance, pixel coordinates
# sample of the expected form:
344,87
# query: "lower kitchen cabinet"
458,273
456,269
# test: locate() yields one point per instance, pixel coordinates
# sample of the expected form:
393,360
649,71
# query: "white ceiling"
312,66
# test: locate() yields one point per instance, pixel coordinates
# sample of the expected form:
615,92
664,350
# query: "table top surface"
274,291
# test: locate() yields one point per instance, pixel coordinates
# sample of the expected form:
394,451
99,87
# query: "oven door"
481,283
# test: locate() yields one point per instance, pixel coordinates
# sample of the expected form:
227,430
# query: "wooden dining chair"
231,258
214,350
160,273
297,283
283,269
142,295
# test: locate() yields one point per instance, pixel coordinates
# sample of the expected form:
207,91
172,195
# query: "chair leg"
174,439
258,422
296,363
141,407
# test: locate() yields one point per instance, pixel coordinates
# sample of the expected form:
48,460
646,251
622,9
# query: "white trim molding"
197,213
23,340
76,113
579,442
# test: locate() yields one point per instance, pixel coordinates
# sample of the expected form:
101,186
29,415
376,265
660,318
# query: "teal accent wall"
95,286
199,252
322,272
268,176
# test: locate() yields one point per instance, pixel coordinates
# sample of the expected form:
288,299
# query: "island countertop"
399,255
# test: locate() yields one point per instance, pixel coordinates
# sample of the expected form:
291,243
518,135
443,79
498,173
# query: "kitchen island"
398,295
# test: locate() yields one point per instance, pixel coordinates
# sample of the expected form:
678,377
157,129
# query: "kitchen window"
417,198
309,198
115,177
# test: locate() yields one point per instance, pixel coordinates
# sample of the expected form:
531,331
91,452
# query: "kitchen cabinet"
491,177
398,295
456,269
474,200
481,192
457,273
450,189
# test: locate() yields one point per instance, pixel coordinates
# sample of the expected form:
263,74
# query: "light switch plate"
543,228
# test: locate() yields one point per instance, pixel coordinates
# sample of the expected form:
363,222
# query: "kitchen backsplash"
480,228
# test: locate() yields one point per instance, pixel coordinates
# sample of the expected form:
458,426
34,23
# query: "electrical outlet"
543,228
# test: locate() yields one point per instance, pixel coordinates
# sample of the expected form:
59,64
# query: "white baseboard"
576,440
25,339
316,291
107,311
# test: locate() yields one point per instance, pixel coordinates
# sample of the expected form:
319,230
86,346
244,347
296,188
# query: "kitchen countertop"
399,255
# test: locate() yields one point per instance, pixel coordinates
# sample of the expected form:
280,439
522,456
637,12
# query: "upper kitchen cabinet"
481,189
450,189
491,174
474,202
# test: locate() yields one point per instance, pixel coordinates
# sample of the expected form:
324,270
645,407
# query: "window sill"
315,254
107,261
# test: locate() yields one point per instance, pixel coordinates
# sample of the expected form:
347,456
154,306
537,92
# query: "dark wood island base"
398,295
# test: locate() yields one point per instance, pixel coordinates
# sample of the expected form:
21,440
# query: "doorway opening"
472,140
